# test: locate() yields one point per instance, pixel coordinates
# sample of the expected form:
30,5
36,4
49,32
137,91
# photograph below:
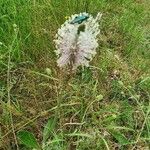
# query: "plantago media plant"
76,40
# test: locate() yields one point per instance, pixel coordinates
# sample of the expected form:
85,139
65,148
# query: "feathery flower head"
76,40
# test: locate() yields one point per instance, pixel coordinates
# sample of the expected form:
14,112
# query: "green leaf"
48,129
28,139
120,137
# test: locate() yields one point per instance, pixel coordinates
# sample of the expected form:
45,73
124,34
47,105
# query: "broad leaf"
28,139
48,129
120,137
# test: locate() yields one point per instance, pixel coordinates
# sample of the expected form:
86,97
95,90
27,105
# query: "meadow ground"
103,107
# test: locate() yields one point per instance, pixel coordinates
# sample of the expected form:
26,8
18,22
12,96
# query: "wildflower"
76,41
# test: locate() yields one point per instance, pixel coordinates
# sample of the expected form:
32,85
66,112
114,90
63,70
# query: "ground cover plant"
103,106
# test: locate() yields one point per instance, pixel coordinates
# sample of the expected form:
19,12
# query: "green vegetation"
105,106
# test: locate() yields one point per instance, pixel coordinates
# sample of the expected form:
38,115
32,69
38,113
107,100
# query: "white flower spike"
76,40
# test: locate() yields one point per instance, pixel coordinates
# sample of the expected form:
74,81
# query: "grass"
105,106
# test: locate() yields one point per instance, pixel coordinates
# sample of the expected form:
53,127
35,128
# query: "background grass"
105,106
